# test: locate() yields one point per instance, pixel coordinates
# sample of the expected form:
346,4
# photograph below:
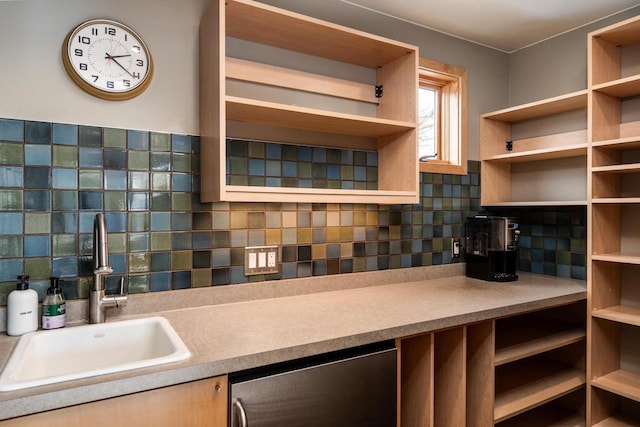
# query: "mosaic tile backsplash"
55,177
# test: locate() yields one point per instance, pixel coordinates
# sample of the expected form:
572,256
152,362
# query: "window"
442,118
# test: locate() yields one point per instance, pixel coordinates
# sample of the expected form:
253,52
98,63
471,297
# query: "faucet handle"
122,285
105,269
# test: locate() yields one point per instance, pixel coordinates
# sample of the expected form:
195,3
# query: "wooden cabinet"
246,98
195,404
521,370
614,259
543,142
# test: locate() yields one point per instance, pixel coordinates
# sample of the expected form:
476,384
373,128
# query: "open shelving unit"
297,112
614,255
557,160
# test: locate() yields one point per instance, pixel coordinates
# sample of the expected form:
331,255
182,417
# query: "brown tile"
333,234
256,220
333,266
239,219
346,234
304,235
289,219
273,237
318,251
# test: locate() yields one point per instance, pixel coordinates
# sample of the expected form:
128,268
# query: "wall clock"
107,59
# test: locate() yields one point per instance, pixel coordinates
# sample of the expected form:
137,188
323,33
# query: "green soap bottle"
54,311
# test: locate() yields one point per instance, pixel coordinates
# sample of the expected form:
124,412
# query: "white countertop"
229,337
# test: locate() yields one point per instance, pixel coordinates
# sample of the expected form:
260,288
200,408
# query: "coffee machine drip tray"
491,248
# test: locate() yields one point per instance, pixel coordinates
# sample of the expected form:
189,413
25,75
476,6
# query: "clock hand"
119,65
116,56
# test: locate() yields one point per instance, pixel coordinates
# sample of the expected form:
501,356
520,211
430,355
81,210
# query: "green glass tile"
37,268
181,162
537,242
427,259
114,138
64,200
85,244
115,200
438,245
289,153
181,260
360,158
359,264
160,201
333,156
138,160
37,223
65,156
118,243
346,173
237,256
161,181
474,166
360,185
181,201
160,141
578,245
304,170
90,179
202,221
85,285
563,257
238,166
195,164
138,242
11,154
160,241
138,221
256,149
5,289
10,246
238,180
138,284
257,181
372,174
139,262
10,200
201,278
64,244
237,148
221,220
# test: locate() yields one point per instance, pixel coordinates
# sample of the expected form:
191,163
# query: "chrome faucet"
98,300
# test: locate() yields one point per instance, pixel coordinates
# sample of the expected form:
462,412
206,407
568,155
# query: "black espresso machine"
491,248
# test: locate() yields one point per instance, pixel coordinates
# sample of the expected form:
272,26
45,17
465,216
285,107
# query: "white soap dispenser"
22,308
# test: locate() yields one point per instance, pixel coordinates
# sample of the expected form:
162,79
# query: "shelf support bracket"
378,91
509,145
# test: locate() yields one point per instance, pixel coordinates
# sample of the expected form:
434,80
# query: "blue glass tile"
181,280
333,171
289,169
360,173
273,182
160,221
180,143
372,158
85,222
138,180
256,167
90,157
181,221
221,258
10,269
37,246
319,171
160,282
139,242
346,185
90,136
180,241
11,176
273,151
319,155
64,200
11,223
11,130
138,201
182,182
115,180
65,267
237,275
160,261
37,155
115,159
160,161
116,222
37,132
62,223
137,140
90,200
37,177
37,200
65,134
347,157
201,240
119,263
305,154
65,178
563,271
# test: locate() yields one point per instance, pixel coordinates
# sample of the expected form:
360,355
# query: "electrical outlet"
455,247
261,260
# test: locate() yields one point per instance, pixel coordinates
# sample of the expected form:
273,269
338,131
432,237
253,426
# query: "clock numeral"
110,84
126,83
84,40
126,37
95,78
139,62
78,52
83,66
110,31
94,31
135,75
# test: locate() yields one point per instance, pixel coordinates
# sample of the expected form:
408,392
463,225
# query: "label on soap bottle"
54,316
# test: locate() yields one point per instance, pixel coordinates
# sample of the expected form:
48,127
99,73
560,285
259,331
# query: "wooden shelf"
547,416
521,342
559,104
533,393
617,169
620,382
538,203
628,143
619,421
621,33
620,313
621,88
616,200
617,257
541,154
293,117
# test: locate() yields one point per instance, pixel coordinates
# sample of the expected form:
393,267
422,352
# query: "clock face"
107,59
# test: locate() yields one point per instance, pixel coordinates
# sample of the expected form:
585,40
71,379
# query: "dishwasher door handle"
240,413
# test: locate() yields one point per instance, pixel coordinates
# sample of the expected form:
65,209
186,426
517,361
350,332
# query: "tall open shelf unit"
614,249
304,108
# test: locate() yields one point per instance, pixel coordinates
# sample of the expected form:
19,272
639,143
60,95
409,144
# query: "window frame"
452,127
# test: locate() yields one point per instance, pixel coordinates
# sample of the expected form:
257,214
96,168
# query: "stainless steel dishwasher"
353,388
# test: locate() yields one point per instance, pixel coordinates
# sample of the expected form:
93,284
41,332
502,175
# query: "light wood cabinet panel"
195,404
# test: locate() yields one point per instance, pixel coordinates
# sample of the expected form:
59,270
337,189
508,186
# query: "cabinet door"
198,403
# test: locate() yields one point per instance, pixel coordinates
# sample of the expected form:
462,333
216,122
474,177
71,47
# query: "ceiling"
506,25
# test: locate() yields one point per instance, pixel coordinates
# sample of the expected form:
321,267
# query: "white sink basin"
46,357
